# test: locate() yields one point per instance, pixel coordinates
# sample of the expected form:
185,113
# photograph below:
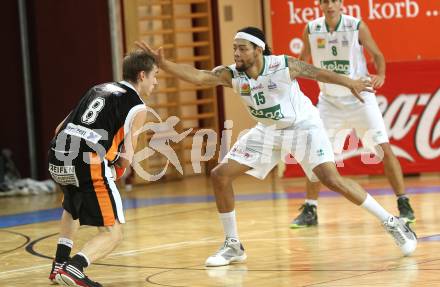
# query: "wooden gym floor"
172,227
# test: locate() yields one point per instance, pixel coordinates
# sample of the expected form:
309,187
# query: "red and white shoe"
69,275
55,268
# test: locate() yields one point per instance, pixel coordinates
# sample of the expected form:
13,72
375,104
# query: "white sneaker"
405,238
232,251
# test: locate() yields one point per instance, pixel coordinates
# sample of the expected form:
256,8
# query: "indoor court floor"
173,227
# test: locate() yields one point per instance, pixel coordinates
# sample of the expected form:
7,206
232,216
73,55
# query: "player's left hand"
377,81
361,85
158,54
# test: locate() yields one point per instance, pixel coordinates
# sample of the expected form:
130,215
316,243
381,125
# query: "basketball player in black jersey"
83,158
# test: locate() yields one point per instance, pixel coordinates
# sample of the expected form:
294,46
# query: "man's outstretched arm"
219,76
301,69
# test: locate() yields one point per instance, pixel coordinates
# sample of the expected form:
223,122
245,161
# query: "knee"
219,178
385,152
115,233
118,235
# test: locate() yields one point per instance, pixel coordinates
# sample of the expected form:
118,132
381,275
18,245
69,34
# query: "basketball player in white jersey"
287,123
335,42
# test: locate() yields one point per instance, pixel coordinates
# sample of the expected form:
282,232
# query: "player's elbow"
378,57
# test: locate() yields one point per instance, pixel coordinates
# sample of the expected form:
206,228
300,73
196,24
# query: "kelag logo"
337,66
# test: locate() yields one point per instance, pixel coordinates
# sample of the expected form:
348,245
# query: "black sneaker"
406,212
307,217
55,268
69,275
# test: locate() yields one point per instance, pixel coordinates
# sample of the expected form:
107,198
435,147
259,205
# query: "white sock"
65,241
375,208
402,196
229,224
312,202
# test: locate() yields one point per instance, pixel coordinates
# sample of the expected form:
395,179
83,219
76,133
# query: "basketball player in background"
85,160
335,42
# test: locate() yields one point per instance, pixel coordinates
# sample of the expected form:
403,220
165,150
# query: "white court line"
210,240
6,273
188,243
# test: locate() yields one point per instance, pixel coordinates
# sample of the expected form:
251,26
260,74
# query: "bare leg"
68,226
68,229
222,176
393,170
98,247
312,189
104,242
330,177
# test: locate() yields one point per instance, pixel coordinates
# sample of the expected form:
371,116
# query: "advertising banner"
405,30
410,104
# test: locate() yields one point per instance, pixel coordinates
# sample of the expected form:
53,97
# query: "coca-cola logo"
401,117
416,115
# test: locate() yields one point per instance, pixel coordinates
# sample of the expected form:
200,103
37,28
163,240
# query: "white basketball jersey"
273,98
338,51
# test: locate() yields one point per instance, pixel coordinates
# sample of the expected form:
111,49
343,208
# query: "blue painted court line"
30,217
431,238
55,213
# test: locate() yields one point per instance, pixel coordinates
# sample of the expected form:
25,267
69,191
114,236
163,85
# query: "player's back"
99,122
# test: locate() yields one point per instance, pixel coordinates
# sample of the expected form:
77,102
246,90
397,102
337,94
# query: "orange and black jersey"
100,121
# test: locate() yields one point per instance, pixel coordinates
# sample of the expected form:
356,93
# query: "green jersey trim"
230,71
337,25
262,69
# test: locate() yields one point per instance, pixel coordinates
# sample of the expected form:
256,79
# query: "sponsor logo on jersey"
82,132
275,64
273,113
257,87
244,152
337,66
378,135
321,43
64,175
61,169
245,90
271,85
334,41
320,152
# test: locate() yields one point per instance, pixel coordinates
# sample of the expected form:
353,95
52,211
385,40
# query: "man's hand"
361,85
377,81
157,54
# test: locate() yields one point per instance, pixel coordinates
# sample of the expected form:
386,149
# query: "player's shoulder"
316,26
276,62
349,23
110,89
